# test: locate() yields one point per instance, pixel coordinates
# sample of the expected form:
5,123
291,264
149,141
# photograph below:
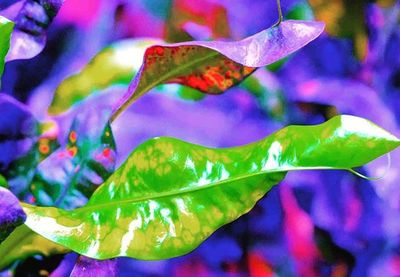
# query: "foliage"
66,188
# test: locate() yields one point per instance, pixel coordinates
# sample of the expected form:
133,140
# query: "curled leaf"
214,66
170,195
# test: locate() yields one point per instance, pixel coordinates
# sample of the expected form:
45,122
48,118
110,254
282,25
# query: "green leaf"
114,65
23,243
170,195
6,28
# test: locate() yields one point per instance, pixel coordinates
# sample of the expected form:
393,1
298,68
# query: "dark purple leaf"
11,213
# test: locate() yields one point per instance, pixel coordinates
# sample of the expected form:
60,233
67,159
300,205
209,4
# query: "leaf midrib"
174,193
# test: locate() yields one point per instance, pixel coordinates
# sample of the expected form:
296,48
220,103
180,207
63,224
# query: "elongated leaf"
11,213
23,243
170,195
116,64
214,66
6,27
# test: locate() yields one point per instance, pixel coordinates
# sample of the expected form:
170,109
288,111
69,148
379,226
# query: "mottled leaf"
114,65
69,176
6,27
86,267
214,66
170,195
11,213
23,243
31,23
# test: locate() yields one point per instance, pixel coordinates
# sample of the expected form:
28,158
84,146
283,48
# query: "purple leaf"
86,267
11,213
18,129
31,23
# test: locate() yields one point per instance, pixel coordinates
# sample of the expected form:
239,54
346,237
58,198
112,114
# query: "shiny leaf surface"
6,27
170,195
11,213
23,243
214,66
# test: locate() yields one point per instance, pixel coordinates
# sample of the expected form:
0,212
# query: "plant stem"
278,4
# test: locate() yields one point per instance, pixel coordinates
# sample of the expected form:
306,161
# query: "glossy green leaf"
170,195
6,28
114,65
23,243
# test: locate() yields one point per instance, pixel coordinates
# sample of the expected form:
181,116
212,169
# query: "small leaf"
170,195
11,213
214,66
23,243
114,65
86,267
6,28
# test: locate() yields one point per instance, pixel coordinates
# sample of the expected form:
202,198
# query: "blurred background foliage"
313,224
